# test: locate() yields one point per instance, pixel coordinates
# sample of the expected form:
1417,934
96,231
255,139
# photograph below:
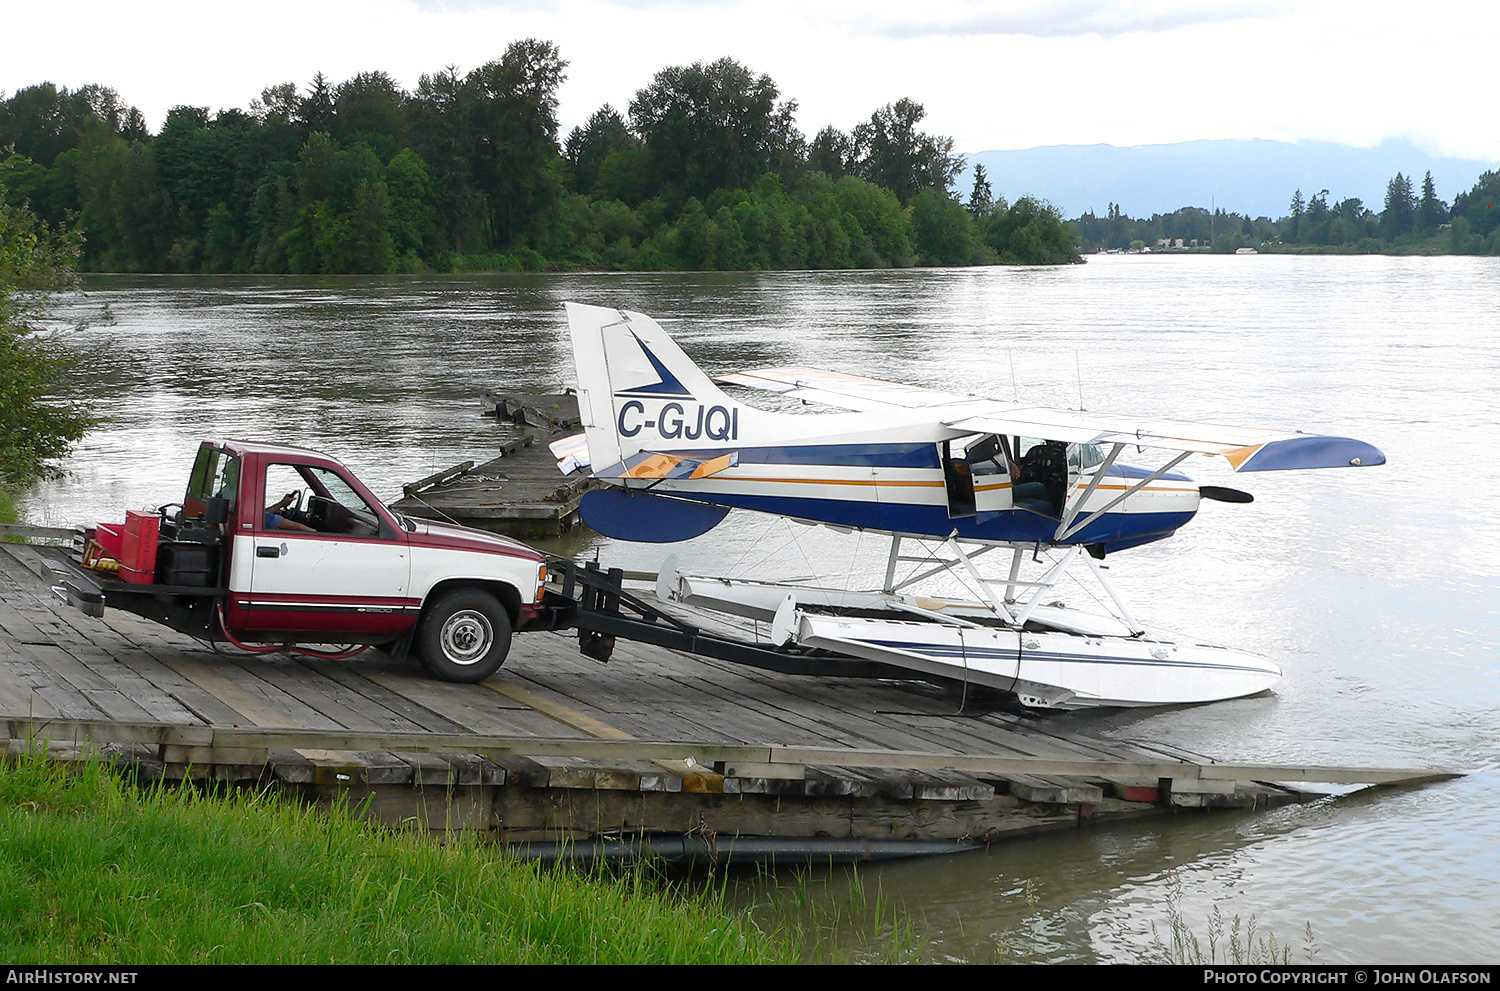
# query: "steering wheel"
293,508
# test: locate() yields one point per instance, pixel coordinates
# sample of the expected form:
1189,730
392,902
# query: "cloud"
1071,18
557,7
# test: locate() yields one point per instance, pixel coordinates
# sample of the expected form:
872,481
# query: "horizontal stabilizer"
571,452
645,518
658,464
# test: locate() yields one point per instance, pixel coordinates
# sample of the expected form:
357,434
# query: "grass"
95,870
1230,942
832,910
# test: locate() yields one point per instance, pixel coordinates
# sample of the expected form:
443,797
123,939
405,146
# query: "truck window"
323,500
216,474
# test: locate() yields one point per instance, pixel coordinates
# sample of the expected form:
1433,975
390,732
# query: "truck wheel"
464,636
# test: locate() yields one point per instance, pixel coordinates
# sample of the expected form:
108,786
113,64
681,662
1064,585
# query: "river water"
1376,589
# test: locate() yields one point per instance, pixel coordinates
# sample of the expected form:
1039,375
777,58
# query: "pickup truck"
325,564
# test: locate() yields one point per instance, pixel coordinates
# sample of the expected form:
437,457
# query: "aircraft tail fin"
638,391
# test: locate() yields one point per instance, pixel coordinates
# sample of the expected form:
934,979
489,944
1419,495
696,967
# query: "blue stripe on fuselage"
919,455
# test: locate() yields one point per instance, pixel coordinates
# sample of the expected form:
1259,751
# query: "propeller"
1219,493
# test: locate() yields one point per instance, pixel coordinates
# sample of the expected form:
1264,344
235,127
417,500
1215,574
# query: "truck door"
347,574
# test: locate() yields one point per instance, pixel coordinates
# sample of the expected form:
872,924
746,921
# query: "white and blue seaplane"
960,475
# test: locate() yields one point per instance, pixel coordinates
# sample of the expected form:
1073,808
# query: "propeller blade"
1219,493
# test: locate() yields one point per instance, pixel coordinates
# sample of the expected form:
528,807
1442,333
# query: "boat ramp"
676,754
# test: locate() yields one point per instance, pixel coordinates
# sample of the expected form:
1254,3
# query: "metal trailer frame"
602,610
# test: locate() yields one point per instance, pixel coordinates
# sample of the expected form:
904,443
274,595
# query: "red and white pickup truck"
325,564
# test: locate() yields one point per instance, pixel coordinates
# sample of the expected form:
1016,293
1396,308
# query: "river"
1377,589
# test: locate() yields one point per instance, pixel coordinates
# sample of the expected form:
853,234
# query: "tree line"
705,169
1409,222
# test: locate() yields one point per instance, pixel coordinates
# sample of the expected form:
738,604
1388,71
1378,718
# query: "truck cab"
283,546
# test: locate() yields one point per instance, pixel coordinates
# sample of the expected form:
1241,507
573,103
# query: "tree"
831,152
980,197
513,122
1480,206
588,146
891,152
1030,232
370,107
1298,206
942,228
1400,207
1431,211
315,111
279,101
445,140
41,414
884,230
716,126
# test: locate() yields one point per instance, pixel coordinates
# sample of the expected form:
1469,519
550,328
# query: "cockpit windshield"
1082,457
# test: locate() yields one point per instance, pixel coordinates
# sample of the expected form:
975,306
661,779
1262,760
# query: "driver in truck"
230,487
275,521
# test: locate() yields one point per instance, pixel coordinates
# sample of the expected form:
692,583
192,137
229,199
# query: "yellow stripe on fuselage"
929,484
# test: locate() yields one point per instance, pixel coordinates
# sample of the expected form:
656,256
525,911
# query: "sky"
992,74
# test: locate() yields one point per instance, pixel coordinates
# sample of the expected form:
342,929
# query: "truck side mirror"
215,511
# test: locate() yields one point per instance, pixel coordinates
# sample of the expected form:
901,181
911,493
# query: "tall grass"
93,870
1224,941
835,912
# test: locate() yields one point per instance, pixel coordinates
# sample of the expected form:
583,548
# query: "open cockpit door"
958,482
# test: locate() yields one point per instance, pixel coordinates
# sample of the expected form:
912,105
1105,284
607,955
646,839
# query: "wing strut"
1093,484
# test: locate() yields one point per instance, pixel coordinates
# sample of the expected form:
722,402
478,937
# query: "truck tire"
464,636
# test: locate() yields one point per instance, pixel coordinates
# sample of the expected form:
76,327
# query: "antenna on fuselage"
1078,364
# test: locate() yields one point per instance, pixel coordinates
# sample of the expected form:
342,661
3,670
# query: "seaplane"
955,476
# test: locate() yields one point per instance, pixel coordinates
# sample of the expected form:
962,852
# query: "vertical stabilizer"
639,391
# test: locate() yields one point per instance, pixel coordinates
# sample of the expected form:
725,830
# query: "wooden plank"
555,710
250,697
606,749
331,699
30,532
381,768
596,728
428,768
473,710
364,678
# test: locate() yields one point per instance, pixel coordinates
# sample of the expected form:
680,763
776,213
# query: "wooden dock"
520,492
561,754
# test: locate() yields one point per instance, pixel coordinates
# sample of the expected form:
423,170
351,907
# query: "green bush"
41,414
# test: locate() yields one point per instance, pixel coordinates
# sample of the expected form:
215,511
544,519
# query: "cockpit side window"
986,456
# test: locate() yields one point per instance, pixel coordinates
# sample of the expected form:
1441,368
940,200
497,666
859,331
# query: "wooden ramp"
520,492
562,753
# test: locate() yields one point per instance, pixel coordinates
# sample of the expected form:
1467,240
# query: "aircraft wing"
851,392
1246,449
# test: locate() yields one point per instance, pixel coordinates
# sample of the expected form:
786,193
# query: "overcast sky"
994,74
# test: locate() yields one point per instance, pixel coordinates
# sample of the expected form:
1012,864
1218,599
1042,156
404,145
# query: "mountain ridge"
1250,176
